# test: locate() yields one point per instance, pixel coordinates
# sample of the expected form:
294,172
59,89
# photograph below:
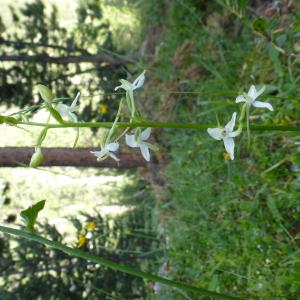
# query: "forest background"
190,215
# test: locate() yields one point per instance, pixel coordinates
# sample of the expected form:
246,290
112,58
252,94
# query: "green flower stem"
156,125
248,124
110,264
115,123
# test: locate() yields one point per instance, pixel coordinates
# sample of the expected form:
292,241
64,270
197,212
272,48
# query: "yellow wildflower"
227,156
82,240
90,226
104,108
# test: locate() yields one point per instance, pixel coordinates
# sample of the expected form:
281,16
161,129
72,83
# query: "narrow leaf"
29,215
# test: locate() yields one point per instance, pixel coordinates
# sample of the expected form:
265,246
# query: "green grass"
231,226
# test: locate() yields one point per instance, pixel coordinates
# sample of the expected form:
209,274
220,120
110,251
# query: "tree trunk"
78,157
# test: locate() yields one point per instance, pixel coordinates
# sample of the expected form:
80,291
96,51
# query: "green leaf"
260,26
30,214
8,120
55,114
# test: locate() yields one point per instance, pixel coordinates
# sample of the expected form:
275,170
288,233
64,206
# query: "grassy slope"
232,226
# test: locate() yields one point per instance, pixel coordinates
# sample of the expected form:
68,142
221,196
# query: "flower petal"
145,151
240,98
112,155
126,85
234,133
73,105
229,146
263,105
139,81
145,134
100,154
130,140
252,92
62,109
215,133
72,117
230,125
258,93
112,147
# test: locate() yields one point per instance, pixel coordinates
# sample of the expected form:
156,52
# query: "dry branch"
78,157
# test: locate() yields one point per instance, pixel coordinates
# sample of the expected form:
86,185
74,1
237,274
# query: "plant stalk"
113,265
155,125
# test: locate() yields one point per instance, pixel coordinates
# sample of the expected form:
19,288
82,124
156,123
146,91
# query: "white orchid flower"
130,87
134,142
68,111
106,151
226,134
251,97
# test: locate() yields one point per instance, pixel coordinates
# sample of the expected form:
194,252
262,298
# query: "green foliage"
29,215
8,120
237,7
260,26
231,225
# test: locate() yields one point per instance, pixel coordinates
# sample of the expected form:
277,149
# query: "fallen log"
78,157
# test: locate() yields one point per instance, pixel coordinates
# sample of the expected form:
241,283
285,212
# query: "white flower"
226,134
106,151
68,111
130,87
131,141
251,97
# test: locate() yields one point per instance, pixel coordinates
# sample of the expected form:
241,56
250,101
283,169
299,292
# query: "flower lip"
106,151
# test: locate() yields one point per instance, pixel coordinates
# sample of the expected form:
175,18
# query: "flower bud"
37,158
45,93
